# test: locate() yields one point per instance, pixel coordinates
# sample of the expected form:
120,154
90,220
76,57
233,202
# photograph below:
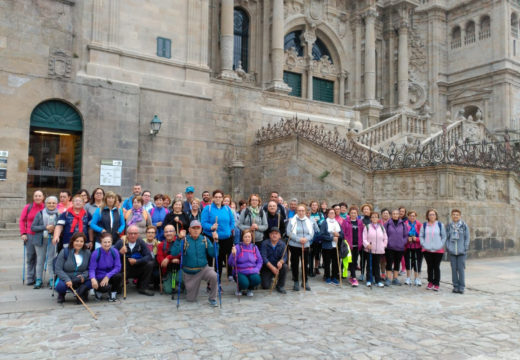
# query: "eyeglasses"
150,232
169,231
132,233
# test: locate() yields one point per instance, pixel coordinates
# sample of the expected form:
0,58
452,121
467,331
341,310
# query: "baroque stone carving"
292,60
323,66
293,7
416,95
60,64
316,9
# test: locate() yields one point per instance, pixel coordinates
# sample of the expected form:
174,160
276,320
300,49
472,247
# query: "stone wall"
489,200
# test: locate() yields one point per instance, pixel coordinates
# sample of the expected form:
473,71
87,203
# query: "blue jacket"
128,203
272,254
226,220
158,215
101,220
196,252
140,252
66,220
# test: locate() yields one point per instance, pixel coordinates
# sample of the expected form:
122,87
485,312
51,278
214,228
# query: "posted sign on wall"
110,172
3,164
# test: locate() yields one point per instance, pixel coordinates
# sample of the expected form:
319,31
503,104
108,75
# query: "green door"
322,90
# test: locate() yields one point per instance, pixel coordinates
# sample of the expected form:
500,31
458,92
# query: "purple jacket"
397,235
249,260
109,263
346,226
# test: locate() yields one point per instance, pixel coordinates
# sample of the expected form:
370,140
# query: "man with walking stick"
274,255
195,250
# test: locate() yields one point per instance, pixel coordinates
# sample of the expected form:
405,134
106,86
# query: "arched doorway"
54,161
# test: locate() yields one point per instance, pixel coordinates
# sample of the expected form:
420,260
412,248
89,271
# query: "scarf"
78,219
254,212
137,216
307,223
413,230
332,226
49,218
457,230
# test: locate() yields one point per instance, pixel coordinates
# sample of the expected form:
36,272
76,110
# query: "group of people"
97,243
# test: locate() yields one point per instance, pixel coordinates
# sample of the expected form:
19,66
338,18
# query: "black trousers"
329,256
416,255
363,258
296,254
267,277
393,259
433,260
353,265
224,250
140,271
115,283
376,272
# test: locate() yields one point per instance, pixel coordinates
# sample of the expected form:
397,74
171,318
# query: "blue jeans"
248,282
458,265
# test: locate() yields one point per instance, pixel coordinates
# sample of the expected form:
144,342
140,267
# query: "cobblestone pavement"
325,323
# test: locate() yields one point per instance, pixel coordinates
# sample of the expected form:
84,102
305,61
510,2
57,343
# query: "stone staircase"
9,231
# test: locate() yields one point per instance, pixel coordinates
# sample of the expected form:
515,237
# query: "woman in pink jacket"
374,243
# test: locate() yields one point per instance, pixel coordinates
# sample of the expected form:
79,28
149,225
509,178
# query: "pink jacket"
376,236
27,217
346,226
417,243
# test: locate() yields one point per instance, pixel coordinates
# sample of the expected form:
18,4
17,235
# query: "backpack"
169,281
438,224
99,255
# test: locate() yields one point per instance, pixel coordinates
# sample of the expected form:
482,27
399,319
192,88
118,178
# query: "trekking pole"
218,275
238,286
85,305
23,270
410,250
180,275
124,270
339,266
303,266
371,272
46,259
53,273
275,280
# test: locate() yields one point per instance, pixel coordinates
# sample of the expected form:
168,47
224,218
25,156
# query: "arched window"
485,27
293,40
470,33
514,25
456,37
241,39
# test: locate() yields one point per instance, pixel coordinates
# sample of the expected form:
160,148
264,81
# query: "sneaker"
461,292
436,288
455,291
230,278
380,284
328,280
396,282
38,284
418,282
113,296
335,281
430,286
402,272
369,284
91,292
250,293
355,282
238,293
98,296
296,286
307,286
213,303
281,290
361,277
388,282
408,281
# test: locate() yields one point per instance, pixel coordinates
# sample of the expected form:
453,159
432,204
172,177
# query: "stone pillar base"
280,87
369,111
229,75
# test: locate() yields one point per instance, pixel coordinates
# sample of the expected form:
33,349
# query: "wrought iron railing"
439,151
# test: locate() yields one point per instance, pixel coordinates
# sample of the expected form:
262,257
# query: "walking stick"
215,258
46,259
85,305
124,270
218,275
370,263
410,250
53,274
275,280
180,275
339,266
236,271
303,266
23,271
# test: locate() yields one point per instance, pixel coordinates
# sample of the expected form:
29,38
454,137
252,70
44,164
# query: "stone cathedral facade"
81,81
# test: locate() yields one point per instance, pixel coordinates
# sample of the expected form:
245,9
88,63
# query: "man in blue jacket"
195,268
274,256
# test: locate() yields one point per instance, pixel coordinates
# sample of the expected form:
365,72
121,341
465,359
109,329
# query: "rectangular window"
164,47
294,80
322,90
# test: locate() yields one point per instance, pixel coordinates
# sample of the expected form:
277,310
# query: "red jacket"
346,226
27,217
163,252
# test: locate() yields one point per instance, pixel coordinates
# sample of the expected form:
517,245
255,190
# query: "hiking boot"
213,303
281,290
328,280
113,296
296,286
408,281
455,291
388,282
30,283
335,281
146,292
396,282
380,284
38,284
430,286
61,298
98,296
250,293
307,286
435,287
461,291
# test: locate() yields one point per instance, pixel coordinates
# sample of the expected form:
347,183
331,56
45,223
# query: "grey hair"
294,200
49,198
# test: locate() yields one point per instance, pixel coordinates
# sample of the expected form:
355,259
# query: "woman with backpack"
72,268
330,236
374,244
413,253
397,233
433,238
108,218
104,269
247,262
254,218
353,231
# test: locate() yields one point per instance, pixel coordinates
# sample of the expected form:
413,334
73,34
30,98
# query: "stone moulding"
440,151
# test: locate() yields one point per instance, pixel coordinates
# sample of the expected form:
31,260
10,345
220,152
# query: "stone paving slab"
325,323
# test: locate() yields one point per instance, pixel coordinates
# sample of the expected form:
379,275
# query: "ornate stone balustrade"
381,132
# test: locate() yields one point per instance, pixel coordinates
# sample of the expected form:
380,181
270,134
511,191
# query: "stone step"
11,234
11,226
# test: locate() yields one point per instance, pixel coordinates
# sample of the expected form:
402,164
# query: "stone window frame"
485,27
456,37
246,64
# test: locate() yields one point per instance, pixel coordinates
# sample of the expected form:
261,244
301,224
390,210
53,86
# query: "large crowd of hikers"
97,244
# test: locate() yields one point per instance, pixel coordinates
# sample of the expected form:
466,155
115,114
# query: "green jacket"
194,257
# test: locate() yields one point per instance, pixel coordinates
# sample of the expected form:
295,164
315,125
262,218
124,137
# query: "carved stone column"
341,78
357,80
226,41
402,74
308,38
370,55
277,45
